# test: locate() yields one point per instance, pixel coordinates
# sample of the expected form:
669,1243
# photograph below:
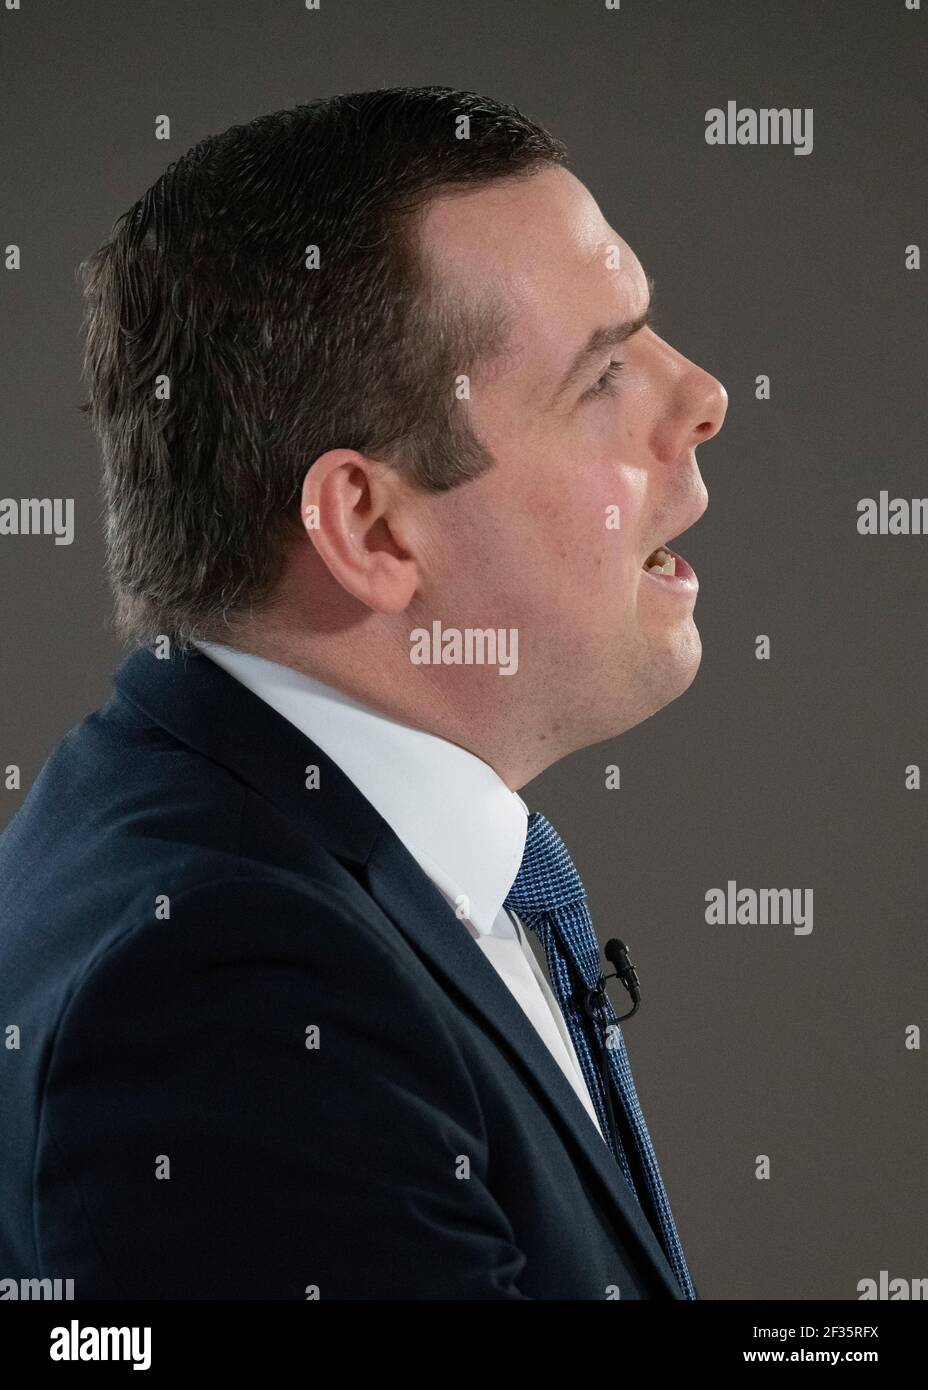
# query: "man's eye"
605,386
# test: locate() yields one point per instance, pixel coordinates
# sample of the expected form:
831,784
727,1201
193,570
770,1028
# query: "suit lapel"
426,919
202,705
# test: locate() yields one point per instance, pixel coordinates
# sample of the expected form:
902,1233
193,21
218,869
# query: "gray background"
787,773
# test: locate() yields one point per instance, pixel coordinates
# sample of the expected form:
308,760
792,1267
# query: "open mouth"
661,561
666,566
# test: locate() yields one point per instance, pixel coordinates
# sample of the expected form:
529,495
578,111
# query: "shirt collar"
456,816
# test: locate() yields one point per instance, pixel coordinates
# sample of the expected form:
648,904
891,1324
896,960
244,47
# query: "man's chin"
672,671
646,677
690,656
684,659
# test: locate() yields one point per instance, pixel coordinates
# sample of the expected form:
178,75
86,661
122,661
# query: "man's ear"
352,510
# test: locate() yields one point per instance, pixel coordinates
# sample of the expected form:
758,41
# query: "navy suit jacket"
258,1055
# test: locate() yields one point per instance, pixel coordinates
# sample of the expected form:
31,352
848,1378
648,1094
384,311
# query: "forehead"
542,246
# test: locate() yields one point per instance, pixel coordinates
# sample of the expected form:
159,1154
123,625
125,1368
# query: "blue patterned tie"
549,897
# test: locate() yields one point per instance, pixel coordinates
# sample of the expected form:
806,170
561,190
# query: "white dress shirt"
455,815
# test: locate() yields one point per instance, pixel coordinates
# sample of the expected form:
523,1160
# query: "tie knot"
547,877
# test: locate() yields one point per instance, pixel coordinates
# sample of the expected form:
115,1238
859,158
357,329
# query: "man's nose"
708,406
692,403
696,412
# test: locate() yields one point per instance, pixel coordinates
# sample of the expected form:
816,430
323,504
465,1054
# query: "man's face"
593,470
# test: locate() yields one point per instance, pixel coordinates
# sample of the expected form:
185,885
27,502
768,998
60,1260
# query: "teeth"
662,562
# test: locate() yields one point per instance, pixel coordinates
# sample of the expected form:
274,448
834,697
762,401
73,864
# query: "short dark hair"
204,282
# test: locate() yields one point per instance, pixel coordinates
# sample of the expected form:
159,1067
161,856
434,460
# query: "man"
371,376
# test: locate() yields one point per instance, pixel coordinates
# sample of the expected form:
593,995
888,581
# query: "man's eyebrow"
601,338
